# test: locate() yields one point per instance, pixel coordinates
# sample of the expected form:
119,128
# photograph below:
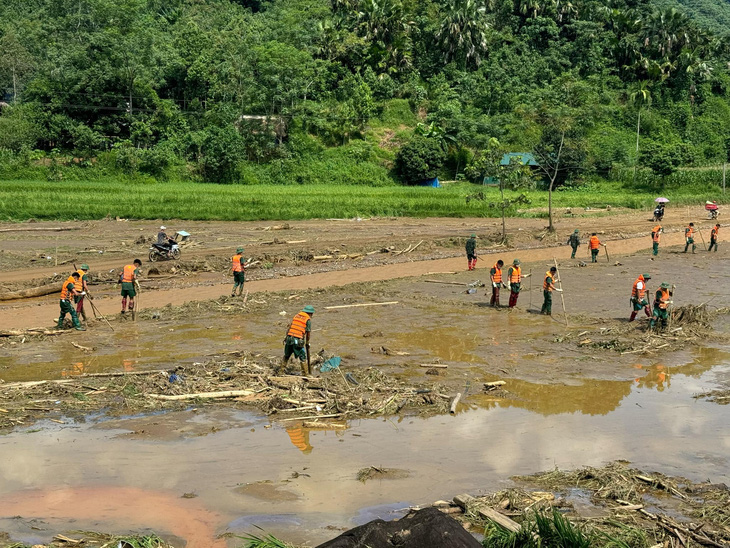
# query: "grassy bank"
21,200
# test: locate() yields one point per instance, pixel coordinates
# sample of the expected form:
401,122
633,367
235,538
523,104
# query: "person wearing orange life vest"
689,237
594,244
713,237
655,234
514,282
130,284
638,297
83,291
239,272
662,300
70,289
548,286
297,338
495,275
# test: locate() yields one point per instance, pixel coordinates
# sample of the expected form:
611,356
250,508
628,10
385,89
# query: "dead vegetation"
628,507
243,380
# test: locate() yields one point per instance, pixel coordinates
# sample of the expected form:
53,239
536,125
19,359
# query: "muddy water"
131,474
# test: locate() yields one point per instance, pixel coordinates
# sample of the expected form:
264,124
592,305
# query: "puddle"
302,485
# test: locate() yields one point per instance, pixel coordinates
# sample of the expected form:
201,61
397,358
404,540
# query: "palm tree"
385,25
640,96
463,31
668,31
529,7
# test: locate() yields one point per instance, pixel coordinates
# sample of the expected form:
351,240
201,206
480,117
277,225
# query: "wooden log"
39,229
494,384
315,425
202,395
124,373
487,513
32,384
24,332
359,305
84,348
445,283
313,417
455,403
436,365
322,257
28,293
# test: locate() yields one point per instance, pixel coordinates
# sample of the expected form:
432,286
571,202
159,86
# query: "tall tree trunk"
638,129
554,176
504,224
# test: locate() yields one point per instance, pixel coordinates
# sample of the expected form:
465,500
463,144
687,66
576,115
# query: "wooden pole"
702,237
724,168
93,308
605,248
562,298
530,308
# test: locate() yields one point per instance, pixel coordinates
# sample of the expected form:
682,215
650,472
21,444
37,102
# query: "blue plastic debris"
332,363
174,377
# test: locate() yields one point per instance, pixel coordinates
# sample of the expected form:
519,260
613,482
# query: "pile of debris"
629,507
244,382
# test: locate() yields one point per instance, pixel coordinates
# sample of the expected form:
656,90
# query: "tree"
463,31
641,96
514,175
419,159
15,60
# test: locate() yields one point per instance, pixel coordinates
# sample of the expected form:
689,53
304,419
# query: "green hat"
309,309
575,231
647,276
665,285
84,267
239,250
516,261
473,235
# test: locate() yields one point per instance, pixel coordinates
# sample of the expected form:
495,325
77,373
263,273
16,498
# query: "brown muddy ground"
549,370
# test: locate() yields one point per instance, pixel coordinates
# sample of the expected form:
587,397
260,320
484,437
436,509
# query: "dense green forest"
360,91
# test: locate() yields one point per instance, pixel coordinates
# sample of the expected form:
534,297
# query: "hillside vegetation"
358,91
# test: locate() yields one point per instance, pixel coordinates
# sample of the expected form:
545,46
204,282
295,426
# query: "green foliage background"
334,91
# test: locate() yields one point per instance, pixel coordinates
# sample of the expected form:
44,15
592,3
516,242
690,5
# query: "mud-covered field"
578,374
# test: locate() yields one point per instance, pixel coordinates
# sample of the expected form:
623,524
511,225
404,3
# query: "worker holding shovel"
548,286
713,237
514,282
68,290
662,300
130,285
297,339
83,290
638,297
595,246
495,275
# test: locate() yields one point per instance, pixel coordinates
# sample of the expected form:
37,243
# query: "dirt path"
42,311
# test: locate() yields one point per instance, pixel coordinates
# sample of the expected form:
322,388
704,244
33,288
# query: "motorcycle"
658,214
162,253
712,210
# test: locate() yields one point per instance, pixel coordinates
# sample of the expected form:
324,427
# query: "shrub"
419,159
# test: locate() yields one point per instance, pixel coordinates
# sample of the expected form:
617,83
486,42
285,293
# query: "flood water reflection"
131,474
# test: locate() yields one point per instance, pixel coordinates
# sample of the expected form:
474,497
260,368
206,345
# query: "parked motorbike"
658,214
162,253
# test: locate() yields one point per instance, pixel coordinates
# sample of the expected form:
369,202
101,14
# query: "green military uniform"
547,292
660,315
297,337
128,289
689,240
471,251
67,307
239,276
574,242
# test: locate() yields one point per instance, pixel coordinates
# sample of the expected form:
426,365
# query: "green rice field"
22,200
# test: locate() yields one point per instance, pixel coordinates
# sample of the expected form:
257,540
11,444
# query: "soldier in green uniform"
471,251
297,338
548,286
130,285
574,242
68,291
689,233
662,300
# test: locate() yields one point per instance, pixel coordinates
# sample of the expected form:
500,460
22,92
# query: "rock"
427,527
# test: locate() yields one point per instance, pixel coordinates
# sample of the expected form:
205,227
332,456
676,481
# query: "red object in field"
710,206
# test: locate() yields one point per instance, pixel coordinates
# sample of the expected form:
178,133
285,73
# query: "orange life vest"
689,231
81,274
713,233
516,276
128,273
594,242
497,276
237,263
299,325
662,301
545,285
637,293
66,293
655,233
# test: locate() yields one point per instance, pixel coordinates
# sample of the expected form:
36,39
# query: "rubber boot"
304,367
83,315
647,312
59,325
633,316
